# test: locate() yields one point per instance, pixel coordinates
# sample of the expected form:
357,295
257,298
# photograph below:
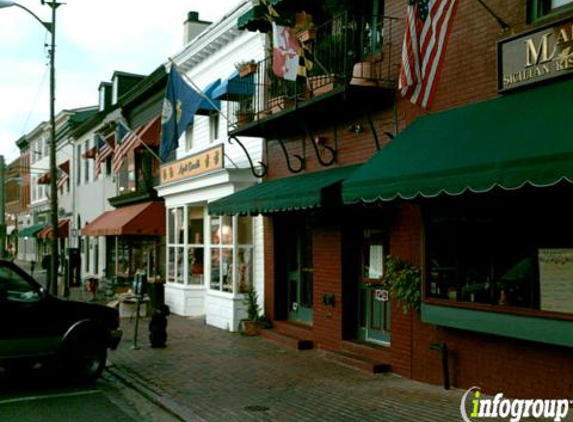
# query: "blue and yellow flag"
179,107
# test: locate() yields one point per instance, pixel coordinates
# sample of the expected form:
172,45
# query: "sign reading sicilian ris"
202,162
535,56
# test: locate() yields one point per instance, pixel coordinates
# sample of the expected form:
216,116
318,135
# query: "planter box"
324,83
251,328
306,35
244,117
278,104
248,69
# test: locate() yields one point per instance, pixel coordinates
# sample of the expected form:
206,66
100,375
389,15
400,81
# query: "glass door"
374,304
300,274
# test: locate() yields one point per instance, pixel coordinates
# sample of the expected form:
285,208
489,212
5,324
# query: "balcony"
353,69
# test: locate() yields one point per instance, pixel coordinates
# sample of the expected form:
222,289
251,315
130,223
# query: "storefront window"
175,246
134,253
195,246
499,255
231,262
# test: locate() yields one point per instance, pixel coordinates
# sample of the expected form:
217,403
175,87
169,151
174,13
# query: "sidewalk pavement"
208,374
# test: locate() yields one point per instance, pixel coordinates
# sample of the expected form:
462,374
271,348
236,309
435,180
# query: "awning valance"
515,140
287,194
147,218
30,231
63,230
235,88
207,107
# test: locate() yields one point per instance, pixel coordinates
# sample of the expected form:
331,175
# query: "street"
33,396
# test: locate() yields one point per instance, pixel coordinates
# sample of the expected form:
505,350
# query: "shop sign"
536,56
202,162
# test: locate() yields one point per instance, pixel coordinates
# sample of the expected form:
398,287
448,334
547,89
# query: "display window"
231,252
509,252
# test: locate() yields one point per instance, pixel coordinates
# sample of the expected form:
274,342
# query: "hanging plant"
404,283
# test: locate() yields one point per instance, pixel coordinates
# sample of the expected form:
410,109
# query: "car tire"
85,358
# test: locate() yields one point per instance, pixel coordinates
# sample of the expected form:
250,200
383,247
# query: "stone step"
287,340
293,329
369,350
359,362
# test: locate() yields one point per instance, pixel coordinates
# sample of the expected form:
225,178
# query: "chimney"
193,27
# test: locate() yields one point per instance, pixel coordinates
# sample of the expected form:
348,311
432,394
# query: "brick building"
469,190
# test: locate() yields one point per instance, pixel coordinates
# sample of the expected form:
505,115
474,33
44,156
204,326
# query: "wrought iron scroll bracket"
313,142
260,173
298,157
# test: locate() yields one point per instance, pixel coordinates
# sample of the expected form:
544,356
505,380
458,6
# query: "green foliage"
404,282
250,301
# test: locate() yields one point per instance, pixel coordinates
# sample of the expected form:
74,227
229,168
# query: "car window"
14,288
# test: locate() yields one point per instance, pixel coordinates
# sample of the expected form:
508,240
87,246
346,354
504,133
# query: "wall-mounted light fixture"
356,128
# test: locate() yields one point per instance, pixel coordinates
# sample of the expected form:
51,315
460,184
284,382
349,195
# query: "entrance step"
293,335
360,362
367,349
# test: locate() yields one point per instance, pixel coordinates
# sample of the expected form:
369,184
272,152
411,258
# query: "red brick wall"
327,320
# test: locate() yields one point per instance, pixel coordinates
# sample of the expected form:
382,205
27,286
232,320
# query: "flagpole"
142,142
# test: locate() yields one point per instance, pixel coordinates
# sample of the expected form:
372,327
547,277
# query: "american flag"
428,24
127,140
62,180
103,151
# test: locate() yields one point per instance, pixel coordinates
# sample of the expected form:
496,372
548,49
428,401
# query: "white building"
211,260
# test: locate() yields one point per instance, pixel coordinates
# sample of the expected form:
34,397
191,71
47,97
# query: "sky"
94,38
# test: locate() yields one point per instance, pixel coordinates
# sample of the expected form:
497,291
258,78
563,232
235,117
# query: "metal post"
2,207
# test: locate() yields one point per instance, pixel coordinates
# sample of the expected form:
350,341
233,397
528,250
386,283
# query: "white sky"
94,38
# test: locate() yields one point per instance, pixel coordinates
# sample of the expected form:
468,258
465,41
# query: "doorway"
299,273
374,319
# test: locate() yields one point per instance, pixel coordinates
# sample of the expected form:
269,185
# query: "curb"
166,403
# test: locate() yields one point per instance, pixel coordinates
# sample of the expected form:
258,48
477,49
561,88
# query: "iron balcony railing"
347,50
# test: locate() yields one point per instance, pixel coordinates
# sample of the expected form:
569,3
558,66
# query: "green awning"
511,141
287,194
255,18
30,231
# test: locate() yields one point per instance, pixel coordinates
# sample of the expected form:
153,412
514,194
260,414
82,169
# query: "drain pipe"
443,349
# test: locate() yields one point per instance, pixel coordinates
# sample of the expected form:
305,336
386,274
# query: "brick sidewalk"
219,376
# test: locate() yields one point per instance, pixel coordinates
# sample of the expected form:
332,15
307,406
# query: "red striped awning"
63,230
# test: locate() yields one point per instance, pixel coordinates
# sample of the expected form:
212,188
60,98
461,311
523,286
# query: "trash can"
156,292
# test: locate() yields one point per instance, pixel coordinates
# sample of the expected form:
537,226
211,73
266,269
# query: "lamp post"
51,27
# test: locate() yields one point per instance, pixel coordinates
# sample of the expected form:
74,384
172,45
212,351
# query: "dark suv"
35,325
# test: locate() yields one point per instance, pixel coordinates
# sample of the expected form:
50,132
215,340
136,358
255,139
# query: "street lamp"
51,27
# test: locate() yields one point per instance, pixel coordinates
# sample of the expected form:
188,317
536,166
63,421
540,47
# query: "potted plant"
305,31
252,324
246,67
404,283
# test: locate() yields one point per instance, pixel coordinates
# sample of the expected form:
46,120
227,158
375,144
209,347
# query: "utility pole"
54,262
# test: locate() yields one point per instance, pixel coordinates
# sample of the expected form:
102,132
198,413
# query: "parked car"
34,325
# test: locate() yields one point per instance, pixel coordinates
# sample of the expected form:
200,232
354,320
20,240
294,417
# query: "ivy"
404,283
